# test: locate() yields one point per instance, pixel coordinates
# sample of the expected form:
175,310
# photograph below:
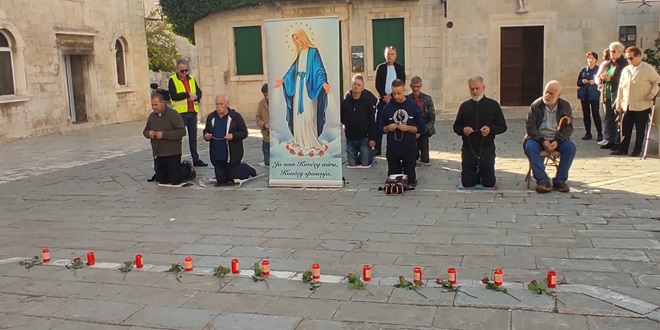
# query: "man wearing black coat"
386,73
358,112
478,120
225,130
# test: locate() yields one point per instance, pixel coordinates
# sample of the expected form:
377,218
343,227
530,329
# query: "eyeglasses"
183,71
629,58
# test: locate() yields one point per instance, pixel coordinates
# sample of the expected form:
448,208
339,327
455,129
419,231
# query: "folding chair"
549,158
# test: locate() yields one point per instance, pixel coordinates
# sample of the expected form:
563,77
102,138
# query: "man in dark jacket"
401,120
610,80
386,73
549,127
358,111
424,102
165,129
226,130
478,120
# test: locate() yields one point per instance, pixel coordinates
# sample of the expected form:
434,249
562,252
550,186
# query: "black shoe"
616,146
607,146
200,163
618,152
587,137
635,154
600,137
224,184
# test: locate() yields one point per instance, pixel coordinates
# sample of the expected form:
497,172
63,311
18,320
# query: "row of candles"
498,273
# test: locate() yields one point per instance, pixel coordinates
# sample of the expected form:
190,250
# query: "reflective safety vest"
181,106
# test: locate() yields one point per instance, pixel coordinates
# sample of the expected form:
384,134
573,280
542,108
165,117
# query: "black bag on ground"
396,184
188,172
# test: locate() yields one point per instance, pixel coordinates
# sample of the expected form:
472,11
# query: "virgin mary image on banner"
306,90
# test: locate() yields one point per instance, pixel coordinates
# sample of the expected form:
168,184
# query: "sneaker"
602,142
600,138
561,187
354,166
543,187
587,137
363,166
200,163
262,164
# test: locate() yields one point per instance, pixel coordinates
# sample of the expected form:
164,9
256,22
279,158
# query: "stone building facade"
68,64
517,45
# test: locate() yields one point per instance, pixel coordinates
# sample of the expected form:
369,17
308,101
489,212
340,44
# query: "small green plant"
176,270
307,278
405,284
221,271
127,267
451,288
652,55
259,275
490,285
74,265
354,282
29,263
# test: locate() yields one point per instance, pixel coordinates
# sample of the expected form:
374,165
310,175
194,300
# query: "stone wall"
41,39
444,57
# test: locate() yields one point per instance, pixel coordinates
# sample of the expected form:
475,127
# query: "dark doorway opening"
521,65
76,85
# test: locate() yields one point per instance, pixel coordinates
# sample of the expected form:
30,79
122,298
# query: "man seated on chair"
549,128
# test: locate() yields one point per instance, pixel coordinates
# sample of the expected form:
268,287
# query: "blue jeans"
361,147
533,152
265,148
190,121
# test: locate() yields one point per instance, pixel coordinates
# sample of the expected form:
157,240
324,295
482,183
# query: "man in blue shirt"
401,119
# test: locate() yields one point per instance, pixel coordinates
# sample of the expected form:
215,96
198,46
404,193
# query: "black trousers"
638,120
478,167
589,110
168,169
402,161
423,148
221,168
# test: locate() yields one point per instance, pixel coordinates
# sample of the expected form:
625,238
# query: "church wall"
86,27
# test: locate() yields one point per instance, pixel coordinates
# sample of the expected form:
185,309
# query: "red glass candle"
417,275
451,275
552,279
45,255
366,273
91,259
499,277
316,271
188,264
234,266
138,261
265,267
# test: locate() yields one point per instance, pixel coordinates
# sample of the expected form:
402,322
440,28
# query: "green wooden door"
388,32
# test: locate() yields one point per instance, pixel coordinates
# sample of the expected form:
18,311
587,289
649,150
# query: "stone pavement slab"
172,318
98,311
523,320
472,318
253,322
386,313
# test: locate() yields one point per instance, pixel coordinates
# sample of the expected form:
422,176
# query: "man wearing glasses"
637,89
185,94
610,81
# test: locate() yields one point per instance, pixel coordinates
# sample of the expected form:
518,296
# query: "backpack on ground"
188,172
396,184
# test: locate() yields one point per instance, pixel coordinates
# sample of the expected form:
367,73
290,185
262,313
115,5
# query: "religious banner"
303,85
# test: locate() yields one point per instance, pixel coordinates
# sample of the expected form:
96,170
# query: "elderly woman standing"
601,69
610,80
589,96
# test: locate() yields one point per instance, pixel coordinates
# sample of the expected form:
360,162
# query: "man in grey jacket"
549,128
165,129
